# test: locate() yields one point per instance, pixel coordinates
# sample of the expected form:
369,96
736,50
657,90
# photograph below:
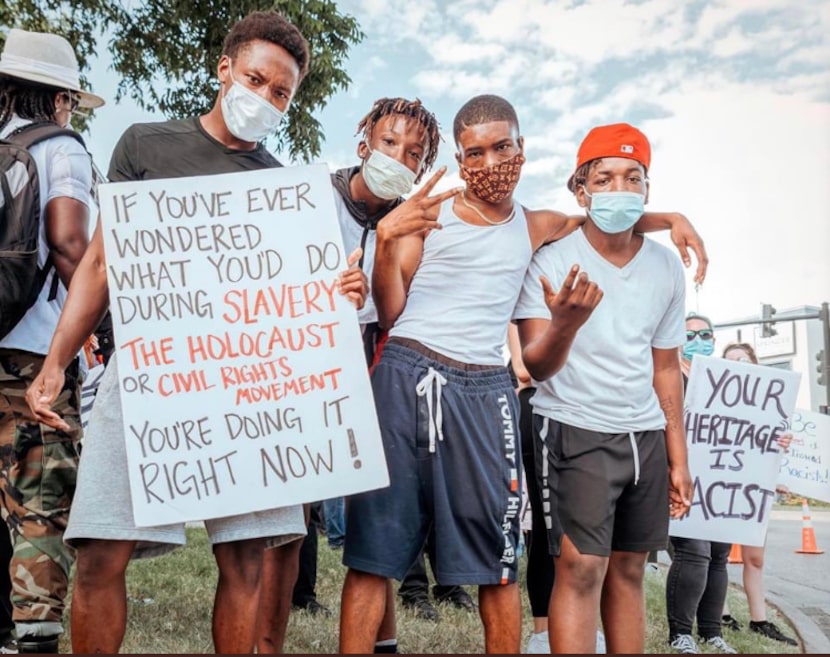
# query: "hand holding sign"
352,283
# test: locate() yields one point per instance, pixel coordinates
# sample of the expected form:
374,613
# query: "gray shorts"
102,508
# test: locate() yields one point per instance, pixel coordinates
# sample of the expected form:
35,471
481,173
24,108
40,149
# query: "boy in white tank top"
398,145
449,425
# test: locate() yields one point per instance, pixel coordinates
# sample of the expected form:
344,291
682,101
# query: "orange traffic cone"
735,555
808,534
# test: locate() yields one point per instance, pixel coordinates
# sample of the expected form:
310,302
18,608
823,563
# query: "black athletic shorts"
605,491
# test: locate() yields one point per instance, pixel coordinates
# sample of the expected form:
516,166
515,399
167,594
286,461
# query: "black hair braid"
28,101
413,109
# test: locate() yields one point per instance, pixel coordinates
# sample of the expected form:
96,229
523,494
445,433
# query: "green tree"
166,51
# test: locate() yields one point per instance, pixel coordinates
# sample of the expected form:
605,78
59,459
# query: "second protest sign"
734,415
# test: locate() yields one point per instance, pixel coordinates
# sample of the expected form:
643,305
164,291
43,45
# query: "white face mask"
248,116
385,177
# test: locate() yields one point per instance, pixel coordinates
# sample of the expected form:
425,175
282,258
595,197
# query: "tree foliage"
166,51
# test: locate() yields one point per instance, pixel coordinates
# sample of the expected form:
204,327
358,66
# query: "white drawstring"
636,453
432,381
546,513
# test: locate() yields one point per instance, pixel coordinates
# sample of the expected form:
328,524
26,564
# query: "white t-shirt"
606,383
64,169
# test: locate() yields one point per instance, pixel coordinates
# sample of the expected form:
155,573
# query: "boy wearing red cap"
609,425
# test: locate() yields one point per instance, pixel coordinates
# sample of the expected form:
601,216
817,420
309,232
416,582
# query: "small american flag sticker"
627,148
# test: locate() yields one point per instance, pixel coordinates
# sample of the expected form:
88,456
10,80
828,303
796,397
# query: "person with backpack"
46,176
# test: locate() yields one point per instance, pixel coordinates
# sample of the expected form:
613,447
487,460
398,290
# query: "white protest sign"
242,373
734,414
805,468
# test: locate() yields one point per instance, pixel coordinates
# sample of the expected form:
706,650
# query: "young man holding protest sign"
263,61
399,144
613,464
447,291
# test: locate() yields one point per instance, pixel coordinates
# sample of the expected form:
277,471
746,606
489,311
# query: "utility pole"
767,326
823,357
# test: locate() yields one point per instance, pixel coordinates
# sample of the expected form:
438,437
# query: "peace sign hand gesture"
418,214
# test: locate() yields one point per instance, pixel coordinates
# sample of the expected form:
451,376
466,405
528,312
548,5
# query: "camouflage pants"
38,468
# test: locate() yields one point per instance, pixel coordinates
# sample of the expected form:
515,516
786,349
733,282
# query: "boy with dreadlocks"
399,144
39,86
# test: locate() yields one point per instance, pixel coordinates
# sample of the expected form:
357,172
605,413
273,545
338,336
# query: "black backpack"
20,278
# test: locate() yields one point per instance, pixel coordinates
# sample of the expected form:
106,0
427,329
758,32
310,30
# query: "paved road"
801,581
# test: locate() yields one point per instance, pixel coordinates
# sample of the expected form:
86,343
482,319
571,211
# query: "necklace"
483,216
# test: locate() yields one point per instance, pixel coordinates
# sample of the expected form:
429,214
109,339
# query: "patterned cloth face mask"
496,182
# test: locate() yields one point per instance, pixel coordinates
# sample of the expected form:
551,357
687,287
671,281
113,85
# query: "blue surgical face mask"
698,346
615,212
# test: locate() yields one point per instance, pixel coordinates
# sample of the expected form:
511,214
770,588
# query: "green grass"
171,597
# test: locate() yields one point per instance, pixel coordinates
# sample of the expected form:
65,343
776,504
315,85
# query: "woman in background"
753,556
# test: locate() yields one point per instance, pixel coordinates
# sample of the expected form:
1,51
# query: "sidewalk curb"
812,638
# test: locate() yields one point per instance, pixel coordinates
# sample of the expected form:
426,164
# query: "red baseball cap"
615,140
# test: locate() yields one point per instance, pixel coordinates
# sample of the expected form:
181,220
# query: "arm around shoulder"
548,226
683,235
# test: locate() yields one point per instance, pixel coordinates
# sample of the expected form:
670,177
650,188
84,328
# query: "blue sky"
733,94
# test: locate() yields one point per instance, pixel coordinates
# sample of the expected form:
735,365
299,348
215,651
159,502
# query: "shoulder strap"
34,133
27,136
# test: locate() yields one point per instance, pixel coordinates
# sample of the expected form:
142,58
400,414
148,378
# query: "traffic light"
767,326
821,368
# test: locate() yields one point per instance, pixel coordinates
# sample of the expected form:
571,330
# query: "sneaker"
422,608
684,644
539,644
600,649
458,598
720,645
8,645
40,644
314,608
771,631
731,623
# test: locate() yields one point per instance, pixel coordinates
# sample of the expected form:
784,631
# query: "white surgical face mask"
385,177
615,212
249,117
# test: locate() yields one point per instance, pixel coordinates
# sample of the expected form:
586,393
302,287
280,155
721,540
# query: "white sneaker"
684,644
600,643
718,643
538,644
